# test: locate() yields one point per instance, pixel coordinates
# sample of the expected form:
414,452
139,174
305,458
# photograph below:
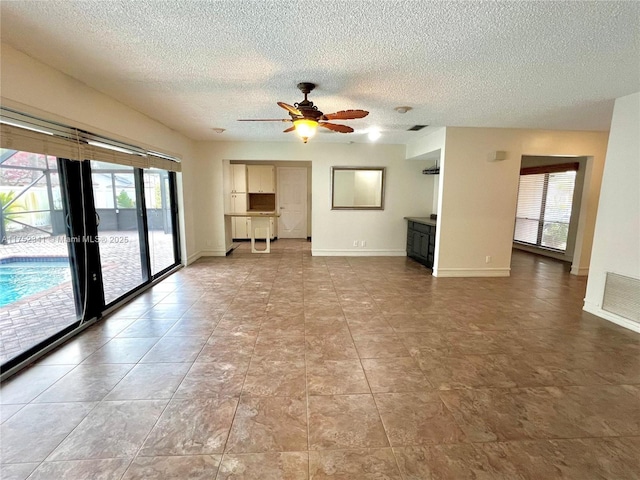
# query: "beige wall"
478,196
33,87
407,193
616,246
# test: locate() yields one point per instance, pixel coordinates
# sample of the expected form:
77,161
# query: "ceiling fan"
306,117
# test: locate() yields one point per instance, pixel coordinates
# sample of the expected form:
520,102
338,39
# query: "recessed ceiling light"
404,109
374,134
218,130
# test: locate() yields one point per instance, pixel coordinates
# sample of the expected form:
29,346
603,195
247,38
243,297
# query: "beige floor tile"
549,412
200,467
150,381
195,426
363,464
31,382
336,377
397,374
215,379
282,325
360,324
330,347
269,424
417,418
286,347
175,349
379,346
148,328
17,471
122,350
269,378
37,429
344,421
227,348
326,325
94,438
82,469
265,466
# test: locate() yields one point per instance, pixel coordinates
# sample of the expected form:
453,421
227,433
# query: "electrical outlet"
487,259
363,243
355,243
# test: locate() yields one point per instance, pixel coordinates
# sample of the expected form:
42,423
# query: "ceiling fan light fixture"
305,128
374,134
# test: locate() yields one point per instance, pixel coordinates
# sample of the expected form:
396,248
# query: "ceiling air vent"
415,128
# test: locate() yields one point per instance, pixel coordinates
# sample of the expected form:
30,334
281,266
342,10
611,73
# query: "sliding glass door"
159,201
37,293
75,238
119,223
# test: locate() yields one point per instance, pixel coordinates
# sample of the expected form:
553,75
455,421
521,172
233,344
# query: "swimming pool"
23,278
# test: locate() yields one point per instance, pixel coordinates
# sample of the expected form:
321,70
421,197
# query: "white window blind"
26,133
545,196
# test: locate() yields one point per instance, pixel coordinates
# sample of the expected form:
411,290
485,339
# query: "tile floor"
287,366
35,318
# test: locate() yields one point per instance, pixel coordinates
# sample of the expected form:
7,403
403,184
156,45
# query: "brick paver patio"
28,321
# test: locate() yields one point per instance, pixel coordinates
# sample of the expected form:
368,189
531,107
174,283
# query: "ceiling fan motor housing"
306,107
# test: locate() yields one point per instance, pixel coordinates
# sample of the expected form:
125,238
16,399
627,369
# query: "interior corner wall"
407,193
616,245
32,87
478,197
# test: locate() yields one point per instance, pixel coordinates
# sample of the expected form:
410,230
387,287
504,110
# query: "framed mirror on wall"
357,188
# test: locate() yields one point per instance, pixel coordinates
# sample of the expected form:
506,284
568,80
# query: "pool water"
19,280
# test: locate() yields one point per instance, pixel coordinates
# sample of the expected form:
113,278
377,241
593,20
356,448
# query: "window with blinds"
545,197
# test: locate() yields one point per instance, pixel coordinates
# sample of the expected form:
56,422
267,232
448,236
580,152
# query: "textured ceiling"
196,65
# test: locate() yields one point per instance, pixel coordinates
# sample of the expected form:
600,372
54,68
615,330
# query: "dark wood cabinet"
421,242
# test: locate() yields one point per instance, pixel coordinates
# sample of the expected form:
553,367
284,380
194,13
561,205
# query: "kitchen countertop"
423,220
253,214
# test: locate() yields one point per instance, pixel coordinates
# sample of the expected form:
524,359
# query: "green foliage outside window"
124,200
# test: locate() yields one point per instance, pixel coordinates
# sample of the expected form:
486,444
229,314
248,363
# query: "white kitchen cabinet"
238,178
239,225
238,202
240,228
261,178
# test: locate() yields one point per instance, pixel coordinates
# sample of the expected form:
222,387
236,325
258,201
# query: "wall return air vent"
622,296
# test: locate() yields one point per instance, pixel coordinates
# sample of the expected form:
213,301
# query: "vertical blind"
545,197
30,134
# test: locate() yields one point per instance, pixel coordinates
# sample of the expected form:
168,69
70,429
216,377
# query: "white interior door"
292,199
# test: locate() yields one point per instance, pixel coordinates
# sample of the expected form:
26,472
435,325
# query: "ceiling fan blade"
337,128
290,129
345,115
264,120
289,108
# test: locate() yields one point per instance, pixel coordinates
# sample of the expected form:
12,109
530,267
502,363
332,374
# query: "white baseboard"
472,272
219,252
193,257
357,253
581,271
612,317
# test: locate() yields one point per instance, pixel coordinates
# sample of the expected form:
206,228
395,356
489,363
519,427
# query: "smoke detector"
218,130
402,109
